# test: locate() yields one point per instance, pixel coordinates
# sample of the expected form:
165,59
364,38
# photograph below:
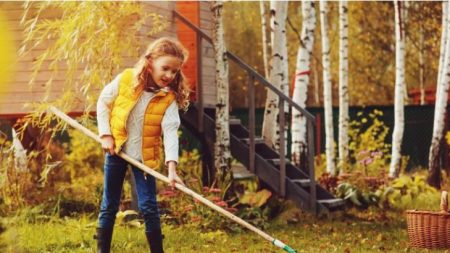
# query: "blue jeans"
114,173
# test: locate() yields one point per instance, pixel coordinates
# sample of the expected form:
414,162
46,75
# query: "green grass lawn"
357,232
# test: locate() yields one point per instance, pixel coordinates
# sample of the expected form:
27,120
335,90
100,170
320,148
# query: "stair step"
302,182
234,121
332,202
258,140
240,172
243,175
276,161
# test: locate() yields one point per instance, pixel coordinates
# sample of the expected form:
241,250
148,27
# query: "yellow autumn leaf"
379,237
447,137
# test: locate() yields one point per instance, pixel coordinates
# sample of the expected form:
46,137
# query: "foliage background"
371,49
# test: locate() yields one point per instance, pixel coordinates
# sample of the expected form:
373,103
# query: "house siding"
18,92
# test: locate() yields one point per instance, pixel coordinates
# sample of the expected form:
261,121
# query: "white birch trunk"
404,19
327,94
282,7
443,44
434,176
277,72
20,154
302,73
222,160
265,40
421,66
343,84
397,135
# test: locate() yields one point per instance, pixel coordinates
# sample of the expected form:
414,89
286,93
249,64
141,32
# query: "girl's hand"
108,144
173,177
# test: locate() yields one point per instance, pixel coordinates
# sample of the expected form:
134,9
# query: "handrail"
249,69
266,83
192,26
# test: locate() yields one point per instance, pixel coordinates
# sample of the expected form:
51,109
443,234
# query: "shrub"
408,192
53,178
246,201
368,151
82,167
405,192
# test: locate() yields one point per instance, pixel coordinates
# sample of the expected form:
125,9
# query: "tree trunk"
20,153
421,66
282,9
265,40
222,155
327,94
404,19
277,71
397,136
33,139
302,74
434,176
343,85
443,44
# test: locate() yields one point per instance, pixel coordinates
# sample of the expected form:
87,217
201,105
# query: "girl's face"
164,69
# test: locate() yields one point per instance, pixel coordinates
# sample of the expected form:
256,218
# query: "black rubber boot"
103,237
155,241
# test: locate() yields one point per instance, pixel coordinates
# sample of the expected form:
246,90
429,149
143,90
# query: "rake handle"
180,187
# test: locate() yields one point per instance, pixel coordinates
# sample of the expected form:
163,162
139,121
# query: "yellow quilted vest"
124,103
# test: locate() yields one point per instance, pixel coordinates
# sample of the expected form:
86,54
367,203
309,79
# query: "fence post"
312,180
199,88
251,122
282,148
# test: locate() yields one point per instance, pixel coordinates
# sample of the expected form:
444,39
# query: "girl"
133,111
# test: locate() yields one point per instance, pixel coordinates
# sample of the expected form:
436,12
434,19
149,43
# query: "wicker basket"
429,230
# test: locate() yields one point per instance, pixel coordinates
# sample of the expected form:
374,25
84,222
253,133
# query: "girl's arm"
104,104
170,124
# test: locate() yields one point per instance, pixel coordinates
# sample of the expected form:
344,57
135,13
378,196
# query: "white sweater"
133,145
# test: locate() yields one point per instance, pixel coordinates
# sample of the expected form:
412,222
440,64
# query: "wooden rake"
180,187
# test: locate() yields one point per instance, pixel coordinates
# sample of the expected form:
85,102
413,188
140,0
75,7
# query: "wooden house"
429,96
17,92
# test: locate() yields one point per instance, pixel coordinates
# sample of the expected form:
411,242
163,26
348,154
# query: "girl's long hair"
161,47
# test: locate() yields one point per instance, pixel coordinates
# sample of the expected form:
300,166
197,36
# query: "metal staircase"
266,163
270,166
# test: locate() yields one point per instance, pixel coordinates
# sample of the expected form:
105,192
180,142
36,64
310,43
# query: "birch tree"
281,38
343,84
222,155
302,73
327,96
278,75
421,66
443,46
434,176
404,13
397,135
20,153
265,40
